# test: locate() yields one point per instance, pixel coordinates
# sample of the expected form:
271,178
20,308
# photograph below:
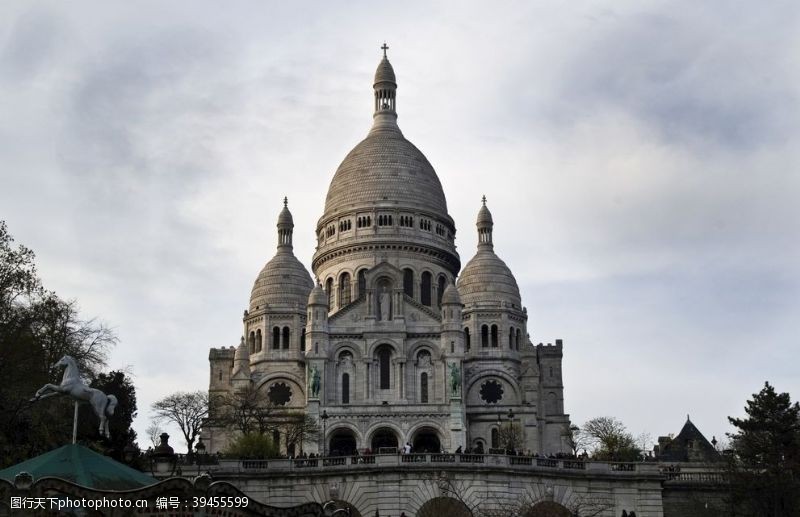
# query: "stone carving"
455,379
315,381
71,384
385,305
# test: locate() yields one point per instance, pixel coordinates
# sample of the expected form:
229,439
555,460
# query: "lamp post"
163,459
324,418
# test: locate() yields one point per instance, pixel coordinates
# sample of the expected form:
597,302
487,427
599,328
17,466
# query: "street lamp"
324,418
163,459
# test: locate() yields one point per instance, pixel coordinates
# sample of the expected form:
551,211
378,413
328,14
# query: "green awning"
83,467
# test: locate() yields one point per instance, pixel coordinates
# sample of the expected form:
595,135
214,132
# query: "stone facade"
392,344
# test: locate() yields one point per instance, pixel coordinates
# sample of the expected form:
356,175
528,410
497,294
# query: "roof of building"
486,278
689,445
283,281
318,296
385,73
81,466
385,168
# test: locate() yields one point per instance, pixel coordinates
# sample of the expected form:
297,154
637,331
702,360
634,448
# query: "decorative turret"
240,376
317,321
385,86
283,281
485,225
285,226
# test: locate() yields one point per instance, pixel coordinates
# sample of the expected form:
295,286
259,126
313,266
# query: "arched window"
285,337
362,283
385,366
346,388
466,338
329,291
425,289
276,338
258,340
303,339
344,287
440,291
252,342
495,438
408,282
484,336
511,338
423,388
494,336
518,334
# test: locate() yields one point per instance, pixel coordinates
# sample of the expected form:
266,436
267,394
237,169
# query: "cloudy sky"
640,160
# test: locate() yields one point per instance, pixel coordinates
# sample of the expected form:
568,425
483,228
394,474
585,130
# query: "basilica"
393,343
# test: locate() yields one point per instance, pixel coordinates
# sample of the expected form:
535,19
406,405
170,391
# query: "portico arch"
547,509
383,437
426,439
440,506
342,442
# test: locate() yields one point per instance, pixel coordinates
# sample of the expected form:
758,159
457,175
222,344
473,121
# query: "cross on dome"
483,200
385,47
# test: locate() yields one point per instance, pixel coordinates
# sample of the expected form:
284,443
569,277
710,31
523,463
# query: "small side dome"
283,281
318,296
486,279
451,296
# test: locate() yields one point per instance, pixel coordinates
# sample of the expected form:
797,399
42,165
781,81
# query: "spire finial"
385,47
483,200
285,201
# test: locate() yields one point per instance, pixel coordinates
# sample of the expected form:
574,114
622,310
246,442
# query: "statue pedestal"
458,427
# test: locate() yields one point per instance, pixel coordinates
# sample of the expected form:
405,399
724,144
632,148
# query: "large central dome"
385,196
385,168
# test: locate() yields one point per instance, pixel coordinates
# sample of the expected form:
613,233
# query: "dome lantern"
485,225
285,226
385,86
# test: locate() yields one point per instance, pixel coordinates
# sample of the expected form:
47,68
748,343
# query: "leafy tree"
253,445
765,464
36,329
187,410
611,440
122,435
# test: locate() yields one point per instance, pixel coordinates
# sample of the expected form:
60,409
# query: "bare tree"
187,410
300,428
247,410
511,436
154,432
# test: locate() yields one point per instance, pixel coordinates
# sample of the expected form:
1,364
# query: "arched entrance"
344,505
426,440
384,438
441,506
547,509
342,443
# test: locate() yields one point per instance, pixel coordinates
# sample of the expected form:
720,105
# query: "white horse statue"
72,385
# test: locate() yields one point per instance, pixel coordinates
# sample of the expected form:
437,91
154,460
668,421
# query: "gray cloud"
638,160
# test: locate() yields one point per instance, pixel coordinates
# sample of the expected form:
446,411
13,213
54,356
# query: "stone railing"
437,461
709,477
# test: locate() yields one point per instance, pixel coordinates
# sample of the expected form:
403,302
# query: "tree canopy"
609,439
37,328
187,410
765,464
